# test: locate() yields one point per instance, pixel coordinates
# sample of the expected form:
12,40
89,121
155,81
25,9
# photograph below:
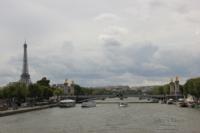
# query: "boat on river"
181,103
3,107
67,103
155,100
170,101
123,104
88,104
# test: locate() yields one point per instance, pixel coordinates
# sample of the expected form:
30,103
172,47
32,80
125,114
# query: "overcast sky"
101,42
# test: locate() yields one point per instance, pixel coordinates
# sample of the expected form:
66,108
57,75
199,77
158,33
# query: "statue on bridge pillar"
177,88
174,87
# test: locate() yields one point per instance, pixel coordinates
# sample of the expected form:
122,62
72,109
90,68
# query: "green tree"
15,90
158,90
35,91
22,91
166,89
47,91
78,90
87,91
192,86
44,87
57,92
1,93
6,92
44,82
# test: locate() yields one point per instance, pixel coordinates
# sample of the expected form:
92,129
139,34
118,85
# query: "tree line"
163,90
43,90
91,91
192,87
20,91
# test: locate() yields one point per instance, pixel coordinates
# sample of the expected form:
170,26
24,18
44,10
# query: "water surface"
105,118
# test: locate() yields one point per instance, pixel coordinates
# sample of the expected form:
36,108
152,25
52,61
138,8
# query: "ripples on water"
105,118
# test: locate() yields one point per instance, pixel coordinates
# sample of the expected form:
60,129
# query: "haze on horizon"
101,42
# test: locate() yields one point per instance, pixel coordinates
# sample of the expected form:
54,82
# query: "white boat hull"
67,103
123,104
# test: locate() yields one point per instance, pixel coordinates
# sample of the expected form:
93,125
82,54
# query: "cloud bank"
98,43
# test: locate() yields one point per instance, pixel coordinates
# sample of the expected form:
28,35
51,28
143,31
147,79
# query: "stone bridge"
81,98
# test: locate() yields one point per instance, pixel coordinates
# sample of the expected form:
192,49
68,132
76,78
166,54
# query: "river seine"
105,118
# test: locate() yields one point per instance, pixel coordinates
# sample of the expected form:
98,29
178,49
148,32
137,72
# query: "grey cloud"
132,42
137,59
107,17
121,62
157,4
180,62
68,46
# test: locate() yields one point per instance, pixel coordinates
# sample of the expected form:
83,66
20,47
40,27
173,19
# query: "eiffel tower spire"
25,77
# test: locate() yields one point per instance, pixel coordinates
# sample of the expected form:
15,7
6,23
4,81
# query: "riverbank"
107,101
27,109
98,102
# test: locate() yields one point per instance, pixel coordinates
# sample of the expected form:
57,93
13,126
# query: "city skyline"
133,43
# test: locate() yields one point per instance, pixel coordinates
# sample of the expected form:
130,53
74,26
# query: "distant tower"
177,88
25,77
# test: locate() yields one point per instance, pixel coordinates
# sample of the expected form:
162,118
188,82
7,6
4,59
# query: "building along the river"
67,86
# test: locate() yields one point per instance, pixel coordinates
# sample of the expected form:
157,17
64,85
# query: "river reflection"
105,118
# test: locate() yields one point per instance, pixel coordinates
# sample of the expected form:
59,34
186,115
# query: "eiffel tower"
25,76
